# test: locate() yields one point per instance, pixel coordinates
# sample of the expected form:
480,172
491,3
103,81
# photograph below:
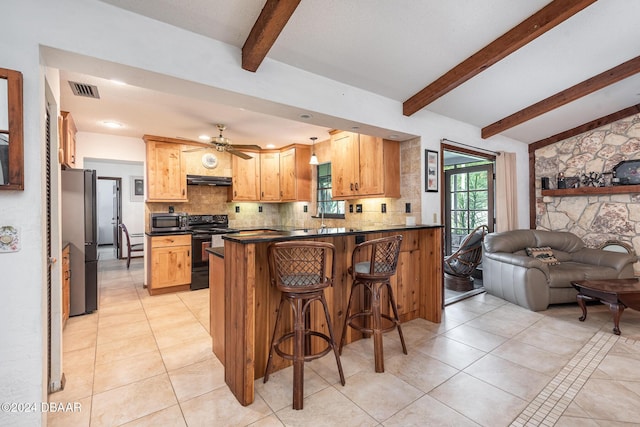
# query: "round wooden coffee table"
617,293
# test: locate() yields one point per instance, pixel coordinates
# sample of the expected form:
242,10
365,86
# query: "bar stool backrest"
300,266
383,259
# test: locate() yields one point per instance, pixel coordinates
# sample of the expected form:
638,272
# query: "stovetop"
209,224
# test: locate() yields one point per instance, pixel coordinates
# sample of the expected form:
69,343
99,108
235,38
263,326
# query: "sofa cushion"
510,241
561,240
561,275
544,254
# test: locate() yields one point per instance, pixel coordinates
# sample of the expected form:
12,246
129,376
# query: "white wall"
153,51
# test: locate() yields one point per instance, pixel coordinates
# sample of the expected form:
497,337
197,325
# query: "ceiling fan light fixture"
314,159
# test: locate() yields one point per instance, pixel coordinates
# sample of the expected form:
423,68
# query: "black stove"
204,228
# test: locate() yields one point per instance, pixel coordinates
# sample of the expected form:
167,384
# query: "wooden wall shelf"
588,191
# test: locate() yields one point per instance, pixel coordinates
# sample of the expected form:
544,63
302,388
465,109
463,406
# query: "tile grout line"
549,405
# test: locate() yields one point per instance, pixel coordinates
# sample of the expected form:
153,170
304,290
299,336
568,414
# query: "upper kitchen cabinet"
245,178
295,174
166,172
270,176
68,140
364,166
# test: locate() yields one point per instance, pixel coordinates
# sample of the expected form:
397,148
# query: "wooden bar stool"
298,270
374,275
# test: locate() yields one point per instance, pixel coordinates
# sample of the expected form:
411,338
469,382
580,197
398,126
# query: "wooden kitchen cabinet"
168,263
66,283
166,172
364,166
68,132
295,174
245,178
270,176
273,176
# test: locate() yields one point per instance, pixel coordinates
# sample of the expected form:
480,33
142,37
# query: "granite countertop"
269,234
216,251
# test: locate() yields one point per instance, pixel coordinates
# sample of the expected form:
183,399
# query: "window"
331,208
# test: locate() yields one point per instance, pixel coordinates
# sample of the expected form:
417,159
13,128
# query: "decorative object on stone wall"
628,172
561,181
572,182
544,183
592,179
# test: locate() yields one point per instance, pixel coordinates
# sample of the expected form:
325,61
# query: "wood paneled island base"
250,302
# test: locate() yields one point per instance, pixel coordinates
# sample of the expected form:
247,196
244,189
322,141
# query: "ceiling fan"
221,143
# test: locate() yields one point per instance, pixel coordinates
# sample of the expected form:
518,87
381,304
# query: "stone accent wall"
595,219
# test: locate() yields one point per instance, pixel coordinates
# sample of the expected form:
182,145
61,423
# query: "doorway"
109,207
468,203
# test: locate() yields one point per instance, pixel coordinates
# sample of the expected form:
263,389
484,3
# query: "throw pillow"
544,254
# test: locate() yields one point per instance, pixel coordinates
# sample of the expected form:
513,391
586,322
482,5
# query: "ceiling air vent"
83,89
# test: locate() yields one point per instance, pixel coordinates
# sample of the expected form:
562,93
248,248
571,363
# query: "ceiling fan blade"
246,147
191,150
238,153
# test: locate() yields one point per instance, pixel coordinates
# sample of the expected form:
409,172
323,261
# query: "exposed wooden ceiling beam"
615,74
534,26
274,16
586,127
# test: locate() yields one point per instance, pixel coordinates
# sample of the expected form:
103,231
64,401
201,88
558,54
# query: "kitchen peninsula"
241,335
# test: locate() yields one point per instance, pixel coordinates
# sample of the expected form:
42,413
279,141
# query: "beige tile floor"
147,361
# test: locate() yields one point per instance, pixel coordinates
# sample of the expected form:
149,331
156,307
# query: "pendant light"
314,158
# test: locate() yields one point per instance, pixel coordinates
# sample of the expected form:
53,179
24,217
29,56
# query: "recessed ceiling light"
393,136
111,124
271,146
305,116
204,137
118,82
355,127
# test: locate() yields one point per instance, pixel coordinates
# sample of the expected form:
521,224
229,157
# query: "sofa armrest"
599,257
519,260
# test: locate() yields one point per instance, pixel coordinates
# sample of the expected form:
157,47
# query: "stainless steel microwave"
168,222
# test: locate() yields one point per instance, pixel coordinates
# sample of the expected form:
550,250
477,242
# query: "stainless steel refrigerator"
79,228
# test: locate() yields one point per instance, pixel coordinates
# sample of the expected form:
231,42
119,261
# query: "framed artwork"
431,170
137,189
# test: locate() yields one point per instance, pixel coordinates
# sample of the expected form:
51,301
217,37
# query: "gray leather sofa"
509,273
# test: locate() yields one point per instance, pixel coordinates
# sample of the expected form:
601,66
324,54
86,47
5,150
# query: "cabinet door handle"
262,194
351,186
357,186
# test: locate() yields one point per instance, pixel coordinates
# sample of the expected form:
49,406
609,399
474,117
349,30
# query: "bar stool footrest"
364,329
307,357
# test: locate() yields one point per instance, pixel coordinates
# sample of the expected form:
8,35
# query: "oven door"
200,257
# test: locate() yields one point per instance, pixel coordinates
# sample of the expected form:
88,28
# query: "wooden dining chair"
138,247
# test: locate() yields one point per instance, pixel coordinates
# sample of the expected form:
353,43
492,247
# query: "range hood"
216,181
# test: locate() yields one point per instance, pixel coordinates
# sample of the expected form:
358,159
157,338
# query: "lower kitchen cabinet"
66,283
168,263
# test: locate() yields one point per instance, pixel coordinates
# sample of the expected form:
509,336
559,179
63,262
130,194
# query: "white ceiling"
392,48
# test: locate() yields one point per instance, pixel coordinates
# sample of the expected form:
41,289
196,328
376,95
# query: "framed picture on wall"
431,170
137,189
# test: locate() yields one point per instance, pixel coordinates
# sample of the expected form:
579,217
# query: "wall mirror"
11,131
